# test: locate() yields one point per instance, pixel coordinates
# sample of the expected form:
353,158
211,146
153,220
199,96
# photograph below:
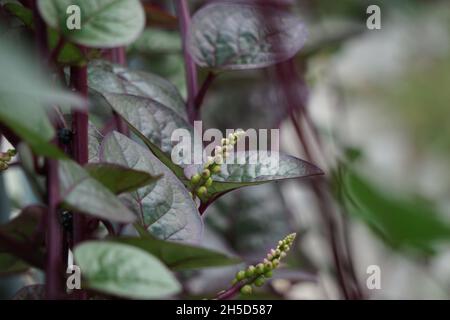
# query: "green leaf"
104,23
119,179
165,208
402,223
233,176
152,122
241,36
70,54
179,256
154,40
82,193
23,14
24,107
124,270
105,77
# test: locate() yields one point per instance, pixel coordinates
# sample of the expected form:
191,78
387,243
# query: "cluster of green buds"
5,158
257,275
202,181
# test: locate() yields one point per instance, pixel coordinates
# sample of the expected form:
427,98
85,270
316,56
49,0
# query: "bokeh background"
379,101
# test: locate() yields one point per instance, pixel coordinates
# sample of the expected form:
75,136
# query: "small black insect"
66,219
65,136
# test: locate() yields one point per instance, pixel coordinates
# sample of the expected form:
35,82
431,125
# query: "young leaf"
152,122
105,77
103,23
233,176
124,270
243,36
119,179
165,208
81,192
179,256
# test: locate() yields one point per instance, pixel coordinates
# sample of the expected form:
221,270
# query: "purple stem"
54,237
229,293
54,269
191,70
78,78
201,94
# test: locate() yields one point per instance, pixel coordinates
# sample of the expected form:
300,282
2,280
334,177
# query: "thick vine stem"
78,80
54,267
191,69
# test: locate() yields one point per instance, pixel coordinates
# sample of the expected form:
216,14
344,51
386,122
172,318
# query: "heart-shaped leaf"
119,179
103,23
165,208
243,36
233,176
105,77
179,256
152,122
82,193
124,270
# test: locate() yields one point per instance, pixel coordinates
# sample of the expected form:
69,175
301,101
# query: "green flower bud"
268,266
240,275
201,191
268,274
195,178
250,271
260,268
206,173
277,252
216,169
208,182
259,282
247,289
275,263
234,281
